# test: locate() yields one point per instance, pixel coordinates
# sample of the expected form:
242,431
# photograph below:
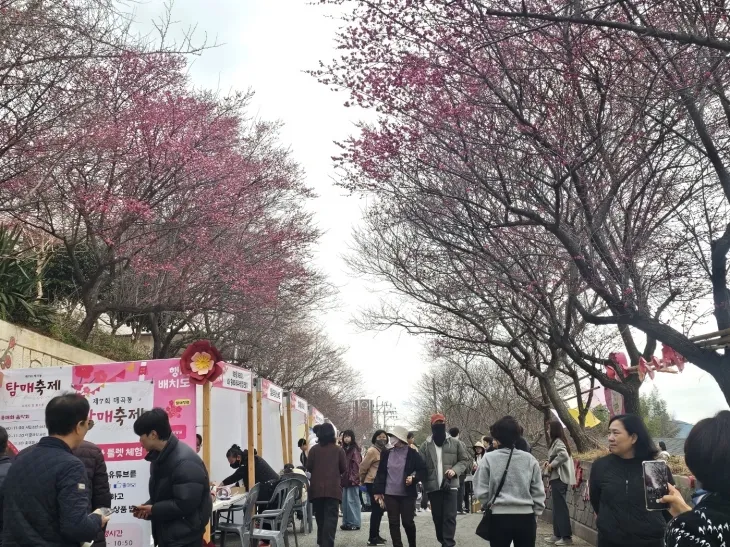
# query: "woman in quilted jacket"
351,507
706,452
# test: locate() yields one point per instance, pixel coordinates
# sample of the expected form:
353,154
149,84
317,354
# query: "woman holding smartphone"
617,488
707,453
399,471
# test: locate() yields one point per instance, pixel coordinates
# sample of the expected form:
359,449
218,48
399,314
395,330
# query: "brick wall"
581,512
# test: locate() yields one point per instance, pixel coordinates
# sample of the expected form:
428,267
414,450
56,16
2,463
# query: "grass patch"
676,463
591,455
102,343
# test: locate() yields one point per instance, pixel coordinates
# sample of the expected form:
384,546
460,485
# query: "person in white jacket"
522,497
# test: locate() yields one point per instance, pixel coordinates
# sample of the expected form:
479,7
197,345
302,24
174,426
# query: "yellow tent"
591,420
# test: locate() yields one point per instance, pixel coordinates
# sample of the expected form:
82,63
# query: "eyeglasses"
90,424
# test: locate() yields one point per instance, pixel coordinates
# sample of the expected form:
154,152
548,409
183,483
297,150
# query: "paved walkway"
426,537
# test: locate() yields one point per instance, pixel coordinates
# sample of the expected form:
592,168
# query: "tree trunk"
157,334
630,393
720,296
164,351
582,440
87,325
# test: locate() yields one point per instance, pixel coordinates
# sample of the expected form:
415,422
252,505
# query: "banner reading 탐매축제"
114,408
118,393
24,394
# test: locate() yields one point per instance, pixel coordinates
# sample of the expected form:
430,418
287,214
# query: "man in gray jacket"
446,458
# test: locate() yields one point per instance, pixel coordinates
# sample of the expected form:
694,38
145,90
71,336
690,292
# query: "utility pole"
387,411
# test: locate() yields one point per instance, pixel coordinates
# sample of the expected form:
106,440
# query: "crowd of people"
56,492
512,485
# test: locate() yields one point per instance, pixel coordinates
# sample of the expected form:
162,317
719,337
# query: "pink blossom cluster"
184,201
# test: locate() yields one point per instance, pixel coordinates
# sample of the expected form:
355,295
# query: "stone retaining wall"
23,348
581,511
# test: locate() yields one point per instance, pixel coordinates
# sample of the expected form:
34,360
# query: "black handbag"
483,529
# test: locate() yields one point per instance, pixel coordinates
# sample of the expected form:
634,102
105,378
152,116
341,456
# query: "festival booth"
228,418
298,425
271,430
315,418
199,392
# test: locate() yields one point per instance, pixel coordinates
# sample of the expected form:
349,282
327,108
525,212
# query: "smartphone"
656,484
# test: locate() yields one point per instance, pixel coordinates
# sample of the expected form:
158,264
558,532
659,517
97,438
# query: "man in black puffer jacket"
180,503
98,483
45,501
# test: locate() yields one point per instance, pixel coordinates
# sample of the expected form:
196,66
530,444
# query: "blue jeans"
351,506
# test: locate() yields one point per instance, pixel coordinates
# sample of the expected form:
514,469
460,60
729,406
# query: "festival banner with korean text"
24,394
173,391
235,378
32,388
298,404
271,391
118,393
114,408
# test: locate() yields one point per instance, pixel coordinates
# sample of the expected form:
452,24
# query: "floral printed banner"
173,390
118,393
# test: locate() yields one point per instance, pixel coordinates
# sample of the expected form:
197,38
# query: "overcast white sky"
266,45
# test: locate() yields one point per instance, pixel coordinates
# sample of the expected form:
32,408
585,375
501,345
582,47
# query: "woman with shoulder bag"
511,505
561,474
368,471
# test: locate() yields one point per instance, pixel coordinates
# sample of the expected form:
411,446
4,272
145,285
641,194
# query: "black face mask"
439,433
236,465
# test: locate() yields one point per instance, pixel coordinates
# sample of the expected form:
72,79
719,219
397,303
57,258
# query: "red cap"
437,417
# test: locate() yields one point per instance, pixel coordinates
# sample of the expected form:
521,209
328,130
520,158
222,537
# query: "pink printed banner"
172,390
614,402
122,452
118,393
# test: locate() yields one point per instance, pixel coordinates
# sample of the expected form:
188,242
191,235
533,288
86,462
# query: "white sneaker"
564,541
552,540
